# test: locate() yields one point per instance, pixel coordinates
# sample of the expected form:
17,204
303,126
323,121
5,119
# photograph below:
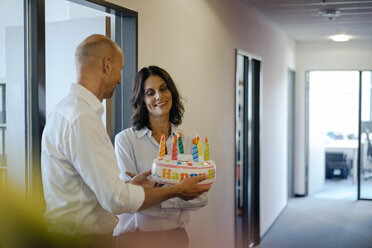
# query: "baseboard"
299,195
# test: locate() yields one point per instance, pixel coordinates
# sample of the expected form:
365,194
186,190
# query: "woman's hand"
141,179
190,188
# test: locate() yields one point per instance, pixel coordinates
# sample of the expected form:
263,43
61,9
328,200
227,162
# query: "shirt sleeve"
124,150
193,204
125,156
92,154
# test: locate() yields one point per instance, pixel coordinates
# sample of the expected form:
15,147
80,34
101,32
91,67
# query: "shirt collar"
142,132
88,97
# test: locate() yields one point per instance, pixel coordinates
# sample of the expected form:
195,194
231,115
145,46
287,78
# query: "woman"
157,110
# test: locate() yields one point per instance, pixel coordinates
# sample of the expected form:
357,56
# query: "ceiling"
301,19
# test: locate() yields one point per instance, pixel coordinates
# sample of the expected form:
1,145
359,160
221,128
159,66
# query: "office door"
365,136
78,22
332,127
247,150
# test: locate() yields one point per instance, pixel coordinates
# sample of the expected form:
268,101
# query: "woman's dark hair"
140,118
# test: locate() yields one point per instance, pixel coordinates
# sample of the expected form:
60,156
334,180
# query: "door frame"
250,211
291,131
359,170
307,85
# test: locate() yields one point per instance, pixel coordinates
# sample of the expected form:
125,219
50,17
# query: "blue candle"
195,153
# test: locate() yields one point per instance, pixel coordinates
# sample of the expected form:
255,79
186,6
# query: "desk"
350,147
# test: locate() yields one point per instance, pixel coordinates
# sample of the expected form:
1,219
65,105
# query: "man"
79,170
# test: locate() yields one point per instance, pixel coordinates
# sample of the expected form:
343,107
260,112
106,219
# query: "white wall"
352,55
195,42
316,140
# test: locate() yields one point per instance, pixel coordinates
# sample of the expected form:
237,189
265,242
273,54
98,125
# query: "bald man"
80,175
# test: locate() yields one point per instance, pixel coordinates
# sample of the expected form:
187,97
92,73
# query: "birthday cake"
172,169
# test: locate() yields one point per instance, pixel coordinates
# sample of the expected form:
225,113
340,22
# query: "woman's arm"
172,203
125,156
189,188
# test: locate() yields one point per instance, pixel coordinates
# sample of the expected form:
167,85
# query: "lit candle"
174,149
162,146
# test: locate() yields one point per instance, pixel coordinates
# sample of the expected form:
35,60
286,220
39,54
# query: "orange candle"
162,147
175,148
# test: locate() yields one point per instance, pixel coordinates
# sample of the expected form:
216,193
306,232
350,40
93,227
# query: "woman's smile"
160,104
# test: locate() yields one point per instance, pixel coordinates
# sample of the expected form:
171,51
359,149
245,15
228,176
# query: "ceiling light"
340,37
331,14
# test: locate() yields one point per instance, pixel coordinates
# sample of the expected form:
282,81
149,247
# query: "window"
63,17
12,94
38,67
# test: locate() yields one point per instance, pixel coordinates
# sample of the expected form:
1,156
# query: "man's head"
99,62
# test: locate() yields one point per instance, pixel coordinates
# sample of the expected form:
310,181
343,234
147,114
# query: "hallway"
321,223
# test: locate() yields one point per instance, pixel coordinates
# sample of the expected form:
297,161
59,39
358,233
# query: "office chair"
337,165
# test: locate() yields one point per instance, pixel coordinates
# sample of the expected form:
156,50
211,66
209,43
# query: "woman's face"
157,97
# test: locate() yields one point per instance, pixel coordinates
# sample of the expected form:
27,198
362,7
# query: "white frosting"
165,170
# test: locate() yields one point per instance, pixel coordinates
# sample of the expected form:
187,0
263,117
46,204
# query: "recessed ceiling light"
340,37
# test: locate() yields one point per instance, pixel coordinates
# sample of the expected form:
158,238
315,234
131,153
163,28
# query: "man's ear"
107,64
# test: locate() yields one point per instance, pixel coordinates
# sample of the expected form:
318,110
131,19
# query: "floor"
309,222
331,218
340,189
344,189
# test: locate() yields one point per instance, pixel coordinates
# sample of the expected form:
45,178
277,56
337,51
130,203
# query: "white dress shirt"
135,151
80,174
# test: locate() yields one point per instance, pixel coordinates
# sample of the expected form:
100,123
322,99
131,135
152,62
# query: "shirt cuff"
171,203
136,197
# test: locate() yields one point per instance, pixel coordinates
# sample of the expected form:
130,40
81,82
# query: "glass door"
365,167
13,148
333,113
64,17
247,150
240,155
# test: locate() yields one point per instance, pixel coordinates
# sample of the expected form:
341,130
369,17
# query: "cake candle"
162,147
195,153
175,148
206,150
200,150
179,143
